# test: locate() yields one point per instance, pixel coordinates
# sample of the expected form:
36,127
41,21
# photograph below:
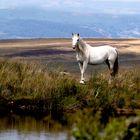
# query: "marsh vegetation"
29,89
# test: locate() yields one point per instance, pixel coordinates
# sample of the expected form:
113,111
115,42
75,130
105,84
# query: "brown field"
58,53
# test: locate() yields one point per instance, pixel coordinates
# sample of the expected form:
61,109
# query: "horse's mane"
82,46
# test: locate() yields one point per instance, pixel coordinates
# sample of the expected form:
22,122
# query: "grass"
96,108
29,88
89,127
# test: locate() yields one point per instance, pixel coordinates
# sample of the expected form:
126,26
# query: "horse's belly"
97,59
95,62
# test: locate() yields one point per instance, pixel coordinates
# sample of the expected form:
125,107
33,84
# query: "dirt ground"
123,45
58,53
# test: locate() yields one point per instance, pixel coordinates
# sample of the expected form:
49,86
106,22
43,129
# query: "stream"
28,128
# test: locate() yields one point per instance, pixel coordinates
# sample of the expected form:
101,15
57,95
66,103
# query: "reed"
29,87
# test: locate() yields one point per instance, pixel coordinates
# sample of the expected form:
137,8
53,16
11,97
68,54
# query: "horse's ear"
72,34
78,35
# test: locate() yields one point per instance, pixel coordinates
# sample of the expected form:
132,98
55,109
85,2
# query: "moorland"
40,77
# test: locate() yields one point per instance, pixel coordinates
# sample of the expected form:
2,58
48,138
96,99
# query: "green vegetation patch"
30,89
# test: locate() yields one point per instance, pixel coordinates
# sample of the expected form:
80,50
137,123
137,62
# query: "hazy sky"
83,6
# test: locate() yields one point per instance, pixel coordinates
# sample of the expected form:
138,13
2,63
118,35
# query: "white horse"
86,54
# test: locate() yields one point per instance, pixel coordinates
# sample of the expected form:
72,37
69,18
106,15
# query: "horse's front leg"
83,69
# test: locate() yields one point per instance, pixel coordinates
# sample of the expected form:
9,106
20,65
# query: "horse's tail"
116,65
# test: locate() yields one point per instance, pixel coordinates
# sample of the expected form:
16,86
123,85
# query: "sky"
79,6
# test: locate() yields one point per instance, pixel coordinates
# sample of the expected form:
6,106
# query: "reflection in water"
15,135
28,128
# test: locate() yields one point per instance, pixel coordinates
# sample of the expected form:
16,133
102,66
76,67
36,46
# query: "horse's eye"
77,39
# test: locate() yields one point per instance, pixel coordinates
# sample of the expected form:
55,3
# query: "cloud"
121,11
39,3
8,4
117,0
81,6
67,5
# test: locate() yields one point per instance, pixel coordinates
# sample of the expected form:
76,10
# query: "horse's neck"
82,47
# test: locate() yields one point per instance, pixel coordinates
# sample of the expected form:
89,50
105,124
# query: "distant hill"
35,23
18,28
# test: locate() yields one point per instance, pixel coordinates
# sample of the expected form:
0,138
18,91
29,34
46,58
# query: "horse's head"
75,40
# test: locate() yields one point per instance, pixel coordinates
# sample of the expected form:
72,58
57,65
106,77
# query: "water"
16,135
28,128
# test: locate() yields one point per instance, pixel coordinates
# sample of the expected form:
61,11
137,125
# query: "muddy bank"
28,107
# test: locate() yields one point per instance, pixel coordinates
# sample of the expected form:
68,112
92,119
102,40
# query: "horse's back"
104,49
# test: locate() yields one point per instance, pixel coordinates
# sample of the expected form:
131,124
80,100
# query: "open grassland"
40,78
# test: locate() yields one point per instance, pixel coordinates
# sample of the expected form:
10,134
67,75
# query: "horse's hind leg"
110,66
107,62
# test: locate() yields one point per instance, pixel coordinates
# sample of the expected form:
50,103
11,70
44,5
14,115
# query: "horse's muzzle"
74,47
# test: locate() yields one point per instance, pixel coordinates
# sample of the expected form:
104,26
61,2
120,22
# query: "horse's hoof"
82,82
109,82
